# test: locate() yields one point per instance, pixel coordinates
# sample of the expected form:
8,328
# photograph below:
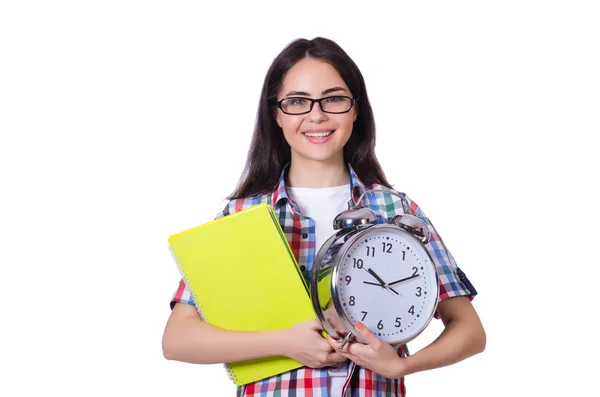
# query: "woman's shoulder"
238,204
384,188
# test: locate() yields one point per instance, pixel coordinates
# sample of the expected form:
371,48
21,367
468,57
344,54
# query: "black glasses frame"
312,103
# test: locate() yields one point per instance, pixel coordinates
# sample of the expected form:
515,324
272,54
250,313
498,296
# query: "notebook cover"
244,277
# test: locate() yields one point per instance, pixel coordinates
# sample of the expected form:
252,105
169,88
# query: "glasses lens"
336,104
295,105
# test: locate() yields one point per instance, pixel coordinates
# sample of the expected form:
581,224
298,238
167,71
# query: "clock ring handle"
408,222
405,205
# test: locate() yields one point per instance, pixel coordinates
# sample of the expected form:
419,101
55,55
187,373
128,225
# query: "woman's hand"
305,344
375,355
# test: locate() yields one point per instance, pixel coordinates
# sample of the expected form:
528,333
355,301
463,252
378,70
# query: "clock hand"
404,279
378,284
372,273
382,283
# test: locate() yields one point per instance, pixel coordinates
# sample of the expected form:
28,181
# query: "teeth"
318,134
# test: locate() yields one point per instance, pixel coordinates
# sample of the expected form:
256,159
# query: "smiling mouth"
323,134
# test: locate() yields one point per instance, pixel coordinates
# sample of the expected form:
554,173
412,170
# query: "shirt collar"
280,193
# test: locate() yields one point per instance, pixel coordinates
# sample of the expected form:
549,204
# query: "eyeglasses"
330,104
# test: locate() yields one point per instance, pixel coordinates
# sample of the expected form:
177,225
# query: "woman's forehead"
313,77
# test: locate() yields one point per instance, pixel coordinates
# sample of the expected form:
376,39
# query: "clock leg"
346,340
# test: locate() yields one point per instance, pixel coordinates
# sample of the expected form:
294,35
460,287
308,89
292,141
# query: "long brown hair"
269,152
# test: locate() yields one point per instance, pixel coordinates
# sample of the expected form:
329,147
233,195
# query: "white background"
123,122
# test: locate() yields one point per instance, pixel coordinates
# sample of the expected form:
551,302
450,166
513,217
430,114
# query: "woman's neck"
317,174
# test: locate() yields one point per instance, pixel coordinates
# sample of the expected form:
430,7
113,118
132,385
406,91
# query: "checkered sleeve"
452,280
183,294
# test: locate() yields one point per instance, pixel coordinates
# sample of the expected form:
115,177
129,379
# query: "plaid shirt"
300,232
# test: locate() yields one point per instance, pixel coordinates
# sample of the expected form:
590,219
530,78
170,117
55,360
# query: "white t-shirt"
322,206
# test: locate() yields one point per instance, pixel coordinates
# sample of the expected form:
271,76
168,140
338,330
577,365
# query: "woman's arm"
187,338
462,337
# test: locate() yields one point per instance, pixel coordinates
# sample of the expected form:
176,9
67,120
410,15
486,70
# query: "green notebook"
243,276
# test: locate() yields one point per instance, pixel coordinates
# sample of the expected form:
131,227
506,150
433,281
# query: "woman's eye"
334,99
297,102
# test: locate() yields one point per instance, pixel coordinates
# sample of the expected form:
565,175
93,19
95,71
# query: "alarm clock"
380,274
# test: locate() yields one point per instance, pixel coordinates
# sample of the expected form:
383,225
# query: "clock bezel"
351,238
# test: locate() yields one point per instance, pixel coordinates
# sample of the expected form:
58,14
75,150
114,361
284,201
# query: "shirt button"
305,235
303,268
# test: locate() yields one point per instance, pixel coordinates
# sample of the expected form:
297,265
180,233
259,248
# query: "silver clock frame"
333,250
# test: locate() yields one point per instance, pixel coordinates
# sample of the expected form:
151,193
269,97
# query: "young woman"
312,151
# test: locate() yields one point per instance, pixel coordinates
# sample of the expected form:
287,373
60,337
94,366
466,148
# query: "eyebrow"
327,91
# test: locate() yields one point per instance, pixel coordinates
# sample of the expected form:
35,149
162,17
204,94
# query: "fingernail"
359,325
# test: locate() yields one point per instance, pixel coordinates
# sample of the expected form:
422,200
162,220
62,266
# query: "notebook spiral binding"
230,373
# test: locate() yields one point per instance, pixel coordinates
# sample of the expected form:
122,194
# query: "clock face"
386,280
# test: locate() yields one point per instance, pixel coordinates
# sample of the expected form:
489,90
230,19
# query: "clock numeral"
412,310
370,250
364,316
387,248
398,322
380,325
415,271
358,262
348,279
352,301
418,293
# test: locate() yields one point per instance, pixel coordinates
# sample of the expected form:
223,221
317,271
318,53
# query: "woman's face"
315,136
